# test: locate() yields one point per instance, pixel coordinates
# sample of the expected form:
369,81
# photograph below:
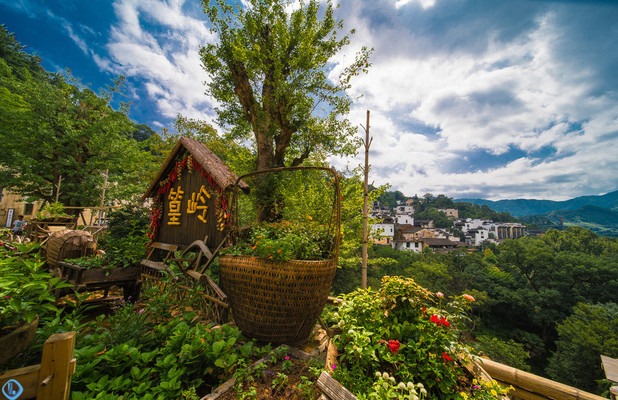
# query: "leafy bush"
25,288
167,361
407,333
125,242
508,352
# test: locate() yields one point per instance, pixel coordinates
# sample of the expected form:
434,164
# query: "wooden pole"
366,143
101,212
58,188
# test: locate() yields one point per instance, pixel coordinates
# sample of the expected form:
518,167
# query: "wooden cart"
83,279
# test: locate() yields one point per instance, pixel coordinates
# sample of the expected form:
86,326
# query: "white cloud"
423,3
156,42
515,94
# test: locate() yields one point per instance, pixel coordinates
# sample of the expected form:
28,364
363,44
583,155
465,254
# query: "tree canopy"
55,131
270,72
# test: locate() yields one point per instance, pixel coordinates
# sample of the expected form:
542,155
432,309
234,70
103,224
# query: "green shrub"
508,352
591,331
402,336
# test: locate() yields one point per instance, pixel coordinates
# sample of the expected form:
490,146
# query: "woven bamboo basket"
68,244
280,301
273,301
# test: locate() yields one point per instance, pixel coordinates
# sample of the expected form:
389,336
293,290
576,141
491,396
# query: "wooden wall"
184,218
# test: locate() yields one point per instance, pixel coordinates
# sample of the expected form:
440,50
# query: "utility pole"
366,143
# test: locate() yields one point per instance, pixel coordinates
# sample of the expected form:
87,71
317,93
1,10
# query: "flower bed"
406,338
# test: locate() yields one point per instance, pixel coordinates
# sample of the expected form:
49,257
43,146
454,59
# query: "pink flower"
287,357
468,297
333,366
440,294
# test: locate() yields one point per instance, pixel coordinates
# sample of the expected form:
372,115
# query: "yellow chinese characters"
175,198
198,202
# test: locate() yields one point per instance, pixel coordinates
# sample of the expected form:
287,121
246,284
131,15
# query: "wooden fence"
50,380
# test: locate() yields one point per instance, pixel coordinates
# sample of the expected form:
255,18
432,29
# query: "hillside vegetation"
597,219
521,207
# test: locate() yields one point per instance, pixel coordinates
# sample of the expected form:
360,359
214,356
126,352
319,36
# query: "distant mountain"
521,207
600,220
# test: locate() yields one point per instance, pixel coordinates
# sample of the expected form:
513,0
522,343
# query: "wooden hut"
191,196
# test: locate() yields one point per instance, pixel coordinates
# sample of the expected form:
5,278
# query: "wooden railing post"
57,367
50,380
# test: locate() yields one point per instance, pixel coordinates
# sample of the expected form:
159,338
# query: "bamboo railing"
533,387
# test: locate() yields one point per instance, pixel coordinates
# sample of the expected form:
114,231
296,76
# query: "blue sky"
468,98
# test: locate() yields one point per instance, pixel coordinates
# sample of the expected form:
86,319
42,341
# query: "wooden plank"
159,266
610,366
56,366
27,377
164,246
333,389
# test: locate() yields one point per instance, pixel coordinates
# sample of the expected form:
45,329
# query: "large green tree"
54,130
270,70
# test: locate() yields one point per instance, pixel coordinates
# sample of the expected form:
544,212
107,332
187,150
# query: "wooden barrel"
69,244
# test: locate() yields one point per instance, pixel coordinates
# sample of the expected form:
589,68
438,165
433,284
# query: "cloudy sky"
469,98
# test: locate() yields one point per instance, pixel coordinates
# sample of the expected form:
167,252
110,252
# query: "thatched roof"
217,169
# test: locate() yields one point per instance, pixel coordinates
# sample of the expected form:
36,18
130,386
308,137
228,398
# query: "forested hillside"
521,207
540,301
599,220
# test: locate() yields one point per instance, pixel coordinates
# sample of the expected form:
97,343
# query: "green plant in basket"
285,240
52,210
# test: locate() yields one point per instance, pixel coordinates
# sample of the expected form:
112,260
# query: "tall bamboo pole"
366,143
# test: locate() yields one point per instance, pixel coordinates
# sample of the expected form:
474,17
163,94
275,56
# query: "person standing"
18,227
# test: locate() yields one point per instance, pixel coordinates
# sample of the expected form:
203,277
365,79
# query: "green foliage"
125,242
524,287
51,210
132,358
285,240
400,331
269,71
25,289
281,62
507,352
591,331
439,218
54,128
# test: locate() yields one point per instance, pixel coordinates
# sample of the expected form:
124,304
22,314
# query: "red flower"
445,322
435,319
446,357
393,345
